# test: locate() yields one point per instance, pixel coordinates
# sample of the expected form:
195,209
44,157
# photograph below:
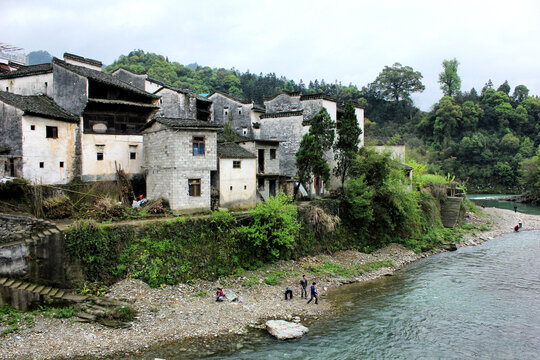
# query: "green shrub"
275,227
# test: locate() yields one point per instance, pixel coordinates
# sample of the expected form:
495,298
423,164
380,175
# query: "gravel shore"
172,313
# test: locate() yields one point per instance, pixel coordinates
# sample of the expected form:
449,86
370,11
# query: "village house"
173,102
237,176
110,113
37,139
181,161
284,119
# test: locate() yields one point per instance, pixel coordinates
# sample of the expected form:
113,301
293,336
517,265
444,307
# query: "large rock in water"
284,330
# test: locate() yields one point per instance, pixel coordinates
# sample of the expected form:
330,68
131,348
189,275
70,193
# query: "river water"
479,302
489,200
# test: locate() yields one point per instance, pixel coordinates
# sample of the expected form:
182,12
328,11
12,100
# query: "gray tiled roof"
180,123
40,105
102,77
28,71
282,114
230,150
83,59
232,97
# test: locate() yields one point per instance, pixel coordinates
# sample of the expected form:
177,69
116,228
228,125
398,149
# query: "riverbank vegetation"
372,212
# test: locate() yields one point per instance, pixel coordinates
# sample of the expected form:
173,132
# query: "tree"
449,78
520,93
398,82
346,147
323,129
310,159
530,177
448,116
505,87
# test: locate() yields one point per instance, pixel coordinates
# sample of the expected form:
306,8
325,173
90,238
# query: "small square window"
61,164
236,164
244,131
32,127
198,145
99,156
132,155
52,132
231,188
194,187
245,187
42,164
272,153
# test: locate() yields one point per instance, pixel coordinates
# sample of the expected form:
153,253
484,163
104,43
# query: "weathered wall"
175,105
169,163
115,148
51,152
283,102
29,85
133,79
289,130
223,106
70,90
33,250
11,129
397,152
237,186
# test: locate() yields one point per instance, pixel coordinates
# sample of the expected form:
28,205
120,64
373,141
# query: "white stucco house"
37,139
237,176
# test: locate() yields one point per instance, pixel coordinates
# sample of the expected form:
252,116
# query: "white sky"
347,41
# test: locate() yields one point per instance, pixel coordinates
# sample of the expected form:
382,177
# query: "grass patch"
330,268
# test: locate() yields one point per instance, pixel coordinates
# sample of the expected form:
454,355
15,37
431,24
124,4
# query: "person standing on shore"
314,294
520,223
303,284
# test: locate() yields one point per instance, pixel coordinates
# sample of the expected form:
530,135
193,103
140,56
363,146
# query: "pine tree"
346,147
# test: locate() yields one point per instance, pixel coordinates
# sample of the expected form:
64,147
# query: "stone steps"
23,295
450,211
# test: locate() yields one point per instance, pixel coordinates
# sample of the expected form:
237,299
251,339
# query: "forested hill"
204,80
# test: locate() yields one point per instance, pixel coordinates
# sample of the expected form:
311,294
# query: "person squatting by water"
288,293
520,223
220,296
303,285
314,294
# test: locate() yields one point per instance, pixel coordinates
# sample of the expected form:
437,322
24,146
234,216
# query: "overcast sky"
347,41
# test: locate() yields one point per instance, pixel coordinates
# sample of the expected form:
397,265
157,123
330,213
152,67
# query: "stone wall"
223,106
170,163
33,250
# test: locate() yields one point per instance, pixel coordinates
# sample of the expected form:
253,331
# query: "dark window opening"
32,127
99,156
198,145
272,187
42,164
52,132
194,187
272,153
261,184
132,155
236,164
261,161
61,164
245,187
231,188
203,110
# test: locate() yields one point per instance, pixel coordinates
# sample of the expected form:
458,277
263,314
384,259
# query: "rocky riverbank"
182,311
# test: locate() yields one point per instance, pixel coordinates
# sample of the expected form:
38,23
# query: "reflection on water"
495,201
480,302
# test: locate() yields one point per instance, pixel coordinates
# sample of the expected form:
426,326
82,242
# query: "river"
489,200
479,302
